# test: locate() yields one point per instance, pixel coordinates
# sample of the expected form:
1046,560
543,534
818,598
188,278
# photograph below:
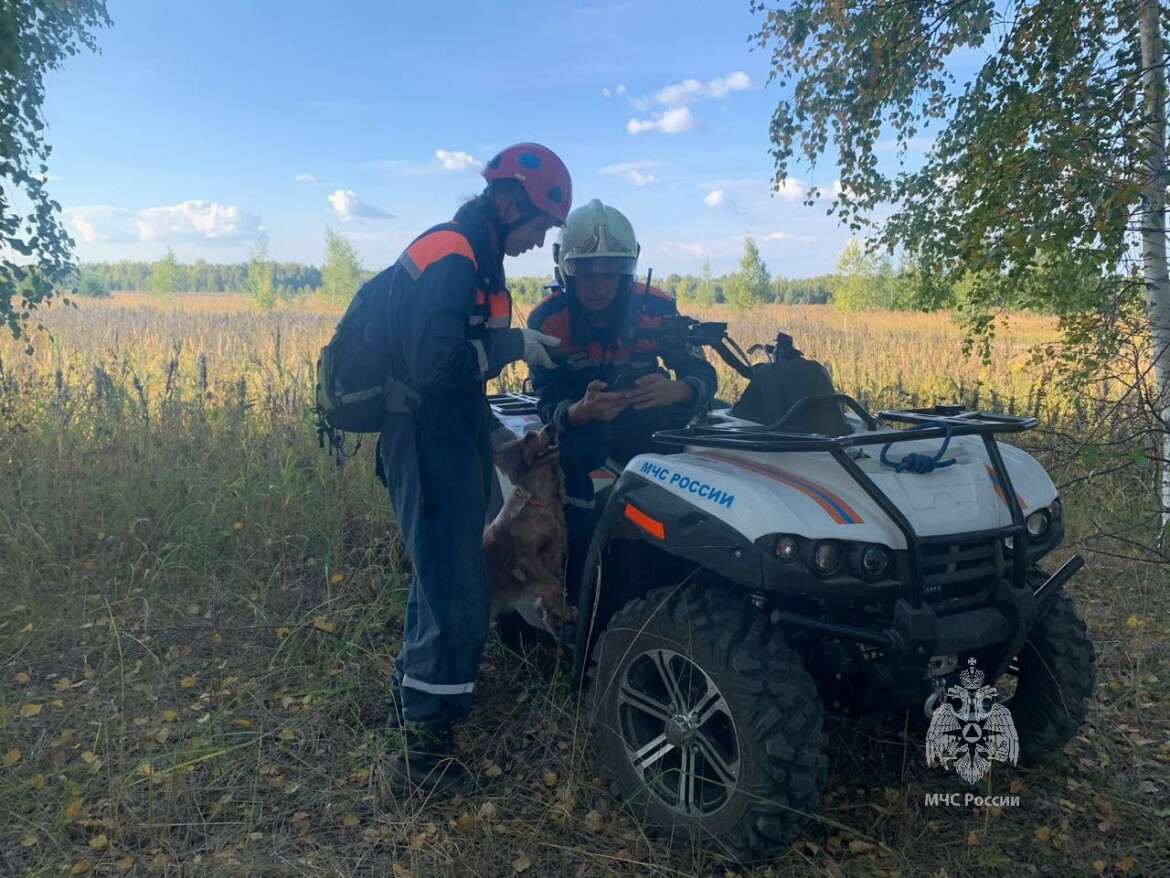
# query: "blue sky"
202,124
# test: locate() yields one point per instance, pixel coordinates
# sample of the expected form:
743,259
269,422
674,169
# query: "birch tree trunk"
1153,225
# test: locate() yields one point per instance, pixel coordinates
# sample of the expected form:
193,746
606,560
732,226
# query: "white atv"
777,568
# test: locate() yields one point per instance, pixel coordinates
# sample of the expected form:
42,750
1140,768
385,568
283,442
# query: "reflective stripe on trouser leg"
447,612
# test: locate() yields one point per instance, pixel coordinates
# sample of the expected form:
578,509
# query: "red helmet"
542,174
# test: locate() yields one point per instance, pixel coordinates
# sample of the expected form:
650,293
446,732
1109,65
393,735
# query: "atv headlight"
826,557
875,561
1038,524
1056,510
787,548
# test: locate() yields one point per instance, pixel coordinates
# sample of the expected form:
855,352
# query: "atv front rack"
937,422
933,423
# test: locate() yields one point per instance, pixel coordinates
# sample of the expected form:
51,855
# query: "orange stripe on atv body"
999,490
838,510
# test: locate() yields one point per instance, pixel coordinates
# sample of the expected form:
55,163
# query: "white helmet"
596,240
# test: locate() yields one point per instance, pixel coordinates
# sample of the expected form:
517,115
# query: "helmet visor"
584,265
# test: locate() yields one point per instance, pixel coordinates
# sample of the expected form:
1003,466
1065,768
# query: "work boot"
427,764
385,712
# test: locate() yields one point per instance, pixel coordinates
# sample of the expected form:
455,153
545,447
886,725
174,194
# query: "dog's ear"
510,458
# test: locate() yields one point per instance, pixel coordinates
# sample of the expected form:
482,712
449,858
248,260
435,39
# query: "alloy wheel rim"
679,733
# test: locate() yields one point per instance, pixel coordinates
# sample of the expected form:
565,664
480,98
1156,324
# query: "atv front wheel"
706,725
1054,681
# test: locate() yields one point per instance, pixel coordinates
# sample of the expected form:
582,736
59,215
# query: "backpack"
781,383
354,386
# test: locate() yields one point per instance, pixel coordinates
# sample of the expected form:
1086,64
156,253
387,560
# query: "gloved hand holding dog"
538,349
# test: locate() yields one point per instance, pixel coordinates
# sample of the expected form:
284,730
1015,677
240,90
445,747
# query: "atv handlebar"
712,334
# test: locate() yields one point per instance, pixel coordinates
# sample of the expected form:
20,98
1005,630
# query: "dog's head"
546,605
556,614
531,452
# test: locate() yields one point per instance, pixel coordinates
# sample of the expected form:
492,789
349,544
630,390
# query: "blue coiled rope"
920,463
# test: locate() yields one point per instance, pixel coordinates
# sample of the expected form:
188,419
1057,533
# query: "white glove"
536,345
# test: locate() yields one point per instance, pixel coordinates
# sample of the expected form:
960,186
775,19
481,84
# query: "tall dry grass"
200,613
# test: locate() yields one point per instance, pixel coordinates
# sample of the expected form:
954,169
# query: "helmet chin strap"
524,218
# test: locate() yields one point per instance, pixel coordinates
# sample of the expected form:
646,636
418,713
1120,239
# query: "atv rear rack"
937,422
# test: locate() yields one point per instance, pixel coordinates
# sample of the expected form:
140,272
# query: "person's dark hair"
499,189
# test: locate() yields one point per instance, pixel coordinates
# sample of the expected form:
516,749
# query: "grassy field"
200,613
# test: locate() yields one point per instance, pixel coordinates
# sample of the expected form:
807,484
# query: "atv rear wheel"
705,723
1054,681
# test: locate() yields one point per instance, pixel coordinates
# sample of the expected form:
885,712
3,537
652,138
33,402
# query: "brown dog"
526,543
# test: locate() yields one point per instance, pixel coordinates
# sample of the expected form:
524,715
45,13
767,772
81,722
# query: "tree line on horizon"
863,281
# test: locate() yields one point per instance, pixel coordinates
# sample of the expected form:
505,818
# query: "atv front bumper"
899,670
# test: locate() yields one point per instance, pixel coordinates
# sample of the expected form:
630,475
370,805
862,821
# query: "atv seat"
777,386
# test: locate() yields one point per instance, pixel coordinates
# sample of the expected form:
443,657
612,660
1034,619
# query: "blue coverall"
449,313
630,346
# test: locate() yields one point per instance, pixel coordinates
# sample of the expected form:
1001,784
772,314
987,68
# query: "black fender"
640,510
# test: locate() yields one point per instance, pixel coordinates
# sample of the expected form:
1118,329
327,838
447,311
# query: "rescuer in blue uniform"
611,395
449,330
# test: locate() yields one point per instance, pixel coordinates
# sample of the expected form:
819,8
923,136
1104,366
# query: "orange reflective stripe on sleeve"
500,311
480,312
431,248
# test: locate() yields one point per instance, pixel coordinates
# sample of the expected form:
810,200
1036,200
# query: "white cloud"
681,93
631,172
619,168
718,198
445,160
103,223
721,87
621,89
785,236
690,90
349,207
606,93
197,221
674,121
457,161
189,221
305,178
791,189
738,184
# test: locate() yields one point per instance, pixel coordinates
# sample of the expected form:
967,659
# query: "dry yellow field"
200,612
